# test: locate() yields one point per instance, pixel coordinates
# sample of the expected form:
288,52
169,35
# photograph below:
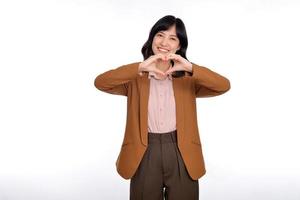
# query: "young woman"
161,152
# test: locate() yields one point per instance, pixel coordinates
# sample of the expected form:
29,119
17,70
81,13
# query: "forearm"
208,82
115,80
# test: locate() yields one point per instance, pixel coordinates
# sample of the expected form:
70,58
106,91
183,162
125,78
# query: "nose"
164,41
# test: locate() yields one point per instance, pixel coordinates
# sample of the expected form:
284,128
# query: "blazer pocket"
196,142
125,143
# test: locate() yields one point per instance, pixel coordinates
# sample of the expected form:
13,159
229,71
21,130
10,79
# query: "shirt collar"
153,75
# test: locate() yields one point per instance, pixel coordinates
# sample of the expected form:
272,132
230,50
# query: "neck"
162,65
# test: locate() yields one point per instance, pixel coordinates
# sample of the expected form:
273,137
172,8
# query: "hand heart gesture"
150,64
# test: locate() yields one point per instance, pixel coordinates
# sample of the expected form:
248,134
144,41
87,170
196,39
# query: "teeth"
163,50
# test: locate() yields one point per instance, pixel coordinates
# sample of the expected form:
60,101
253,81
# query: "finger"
164,57
153,58
159,56
159,72
169,71
173,56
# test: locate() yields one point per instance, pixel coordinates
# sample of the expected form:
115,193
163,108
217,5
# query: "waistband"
168,137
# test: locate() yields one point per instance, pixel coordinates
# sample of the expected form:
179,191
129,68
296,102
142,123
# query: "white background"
60,136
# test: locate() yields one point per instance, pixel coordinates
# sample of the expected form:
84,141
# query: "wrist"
190,67
140,71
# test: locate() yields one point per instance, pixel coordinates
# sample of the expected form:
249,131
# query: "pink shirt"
161,105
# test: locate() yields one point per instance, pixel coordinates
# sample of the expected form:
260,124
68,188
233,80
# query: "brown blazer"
126,81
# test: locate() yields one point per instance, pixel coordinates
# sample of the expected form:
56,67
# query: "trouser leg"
179,185
162,167
147,183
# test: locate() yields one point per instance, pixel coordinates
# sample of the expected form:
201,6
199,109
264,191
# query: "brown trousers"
162,173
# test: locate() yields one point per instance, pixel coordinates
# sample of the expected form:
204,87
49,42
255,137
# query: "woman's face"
165,42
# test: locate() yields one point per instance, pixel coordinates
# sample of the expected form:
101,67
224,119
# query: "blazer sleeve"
115,81
207,82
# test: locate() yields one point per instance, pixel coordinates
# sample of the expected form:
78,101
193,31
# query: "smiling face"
166,41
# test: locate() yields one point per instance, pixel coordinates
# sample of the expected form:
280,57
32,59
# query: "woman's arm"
208,83
115,81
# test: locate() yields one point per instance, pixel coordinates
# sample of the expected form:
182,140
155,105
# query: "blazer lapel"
144,85
178,95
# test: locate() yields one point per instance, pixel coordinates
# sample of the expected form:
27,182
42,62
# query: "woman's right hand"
150,64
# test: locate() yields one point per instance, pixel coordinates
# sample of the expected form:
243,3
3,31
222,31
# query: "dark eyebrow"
164,33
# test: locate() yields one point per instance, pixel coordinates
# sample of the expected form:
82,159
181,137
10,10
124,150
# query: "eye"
173,39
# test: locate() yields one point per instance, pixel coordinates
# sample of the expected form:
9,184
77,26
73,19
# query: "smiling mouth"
163,50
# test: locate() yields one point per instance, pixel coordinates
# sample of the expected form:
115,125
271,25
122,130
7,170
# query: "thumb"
169,71
159,72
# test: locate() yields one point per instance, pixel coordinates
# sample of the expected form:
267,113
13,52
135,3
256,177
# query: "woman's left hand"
180,63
